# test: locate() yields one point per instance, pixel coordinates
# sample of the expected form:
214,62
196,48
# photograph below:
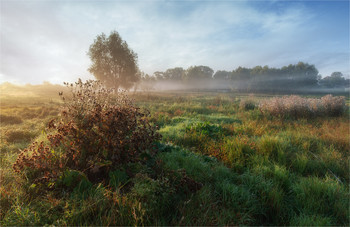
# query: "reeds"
298,107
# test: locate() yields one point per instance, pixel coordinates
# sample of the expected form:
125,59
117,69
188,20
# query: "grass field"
220,162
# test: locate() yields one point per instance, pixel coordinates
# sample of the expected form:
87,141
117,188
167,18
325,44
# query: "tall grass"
217,164
5,119
296,106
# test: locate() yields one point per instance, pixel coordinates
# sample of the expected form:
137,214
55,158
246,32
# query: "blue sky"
48,40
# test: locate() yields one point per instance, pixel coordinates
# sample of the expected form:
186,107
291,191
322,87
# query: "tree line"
115,64
287,78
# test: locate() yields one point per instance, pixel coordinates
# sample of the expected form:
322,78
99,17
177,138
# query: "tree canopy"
336,79
175,73
222,75
113,62
195,73
292,77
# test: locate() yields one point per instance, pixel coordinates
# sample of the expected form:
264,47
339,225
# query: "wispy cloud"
49,40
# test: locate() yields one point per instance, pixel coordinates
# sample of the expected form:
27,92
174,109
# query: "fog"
173,86
238,86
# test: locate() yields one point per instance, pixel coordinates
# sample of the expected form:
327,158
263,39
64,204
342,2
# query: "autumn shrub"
97,130
297,107
333,106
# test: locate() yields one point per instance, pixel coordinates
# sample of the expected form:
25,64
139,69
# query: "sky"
49,40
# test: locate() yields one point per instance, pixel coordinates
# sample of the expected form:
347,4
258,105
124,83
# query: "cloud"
49,40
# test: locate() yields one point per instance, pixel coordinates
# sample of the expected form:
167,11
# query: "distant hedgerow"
98,130
297,107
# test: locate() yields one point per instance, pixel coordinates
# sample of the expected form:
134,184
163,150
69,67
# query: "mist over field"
298,78
227,87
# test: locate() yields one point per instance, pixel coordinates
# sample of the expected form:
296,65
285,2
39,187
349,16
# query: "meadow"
222,159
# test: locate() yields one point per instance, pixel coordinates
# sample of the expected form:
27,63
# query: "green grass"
218,164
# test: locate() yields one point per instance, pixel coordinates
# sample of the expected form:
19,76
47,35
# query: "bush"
333,106
98,130
297,107
247,104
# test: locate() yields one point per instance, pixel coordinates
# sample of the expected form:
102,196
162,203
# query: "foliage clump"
247,104
297,107
98,130
113,62
206,129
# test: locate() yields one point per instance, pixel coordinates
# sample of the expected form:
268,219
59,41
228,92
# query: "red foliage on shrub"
97,130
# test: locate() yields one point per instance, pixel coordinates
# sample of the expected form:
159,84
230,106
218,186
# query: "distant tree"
241,74
337,75
273,79
175,74
336,79
222,75
198,73
257,70
147,82
113,62
240,78
299,75
307,74
159,75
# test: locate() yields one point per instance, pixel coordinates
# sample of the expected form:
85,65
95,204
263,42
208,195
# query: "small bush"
97,130
333,106
247,104
297,107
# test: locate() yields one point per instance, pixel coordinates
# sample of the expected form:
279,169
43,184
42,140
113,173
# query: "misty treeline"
115,65
294,77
